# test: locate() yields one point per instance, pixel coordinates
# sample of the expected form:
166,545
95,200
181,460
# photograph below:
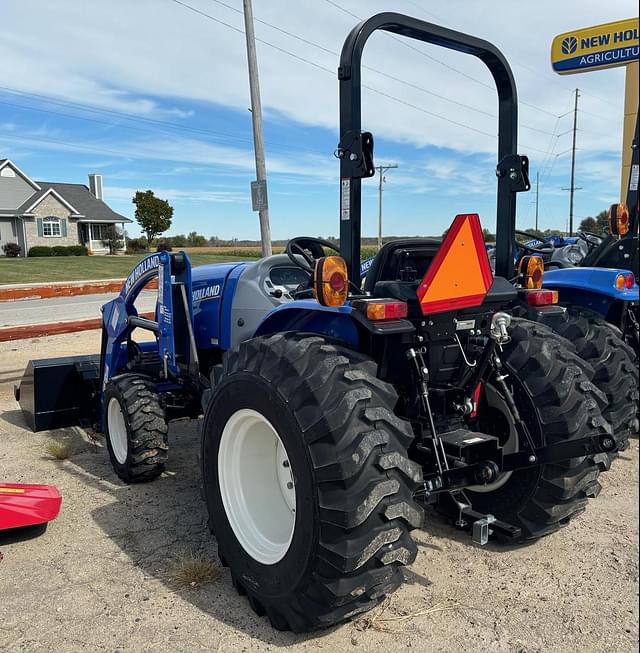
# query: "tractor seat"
403,260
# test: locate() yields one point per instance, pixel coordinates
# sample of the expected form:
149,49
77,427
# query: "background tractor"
336,418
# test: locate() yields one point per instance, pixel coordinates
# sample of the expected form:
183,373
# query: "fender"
340,323
590,287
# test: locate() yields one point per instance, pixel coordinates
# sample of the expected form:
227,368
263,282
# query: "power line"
376,70
331,72
371,68
439,61
220,136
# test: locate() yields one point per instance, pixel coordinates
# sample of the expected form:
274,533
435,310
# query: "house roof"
11,164
77,196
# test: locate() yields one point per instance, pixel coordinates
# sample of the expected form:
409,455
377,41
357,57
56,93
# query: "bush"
59,250
78,250
136,245
11,250
164,247
40,250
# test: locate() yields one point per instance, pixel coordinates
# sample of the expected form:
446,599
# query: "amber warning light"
460,275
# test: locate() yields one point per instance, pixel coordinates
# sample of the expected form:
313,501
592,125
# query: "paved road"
63,309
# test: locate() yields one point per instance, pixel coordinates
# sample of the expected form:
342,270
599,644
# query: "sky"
154,94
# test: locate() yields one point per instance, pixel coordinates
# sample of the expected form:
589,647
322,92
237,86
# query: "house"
49,213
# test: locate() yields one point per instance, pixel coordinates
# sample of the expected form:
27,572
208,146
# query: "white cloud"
123,55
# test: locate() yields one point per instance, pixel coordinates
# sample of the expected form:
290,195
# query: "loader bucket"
58,392
27,505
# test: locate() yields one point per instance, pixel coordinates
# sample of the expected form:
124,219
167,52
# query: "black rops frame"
356,149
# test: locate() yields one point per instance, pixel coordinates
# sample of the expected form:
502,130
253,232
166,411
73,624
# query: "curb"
47,291
28,331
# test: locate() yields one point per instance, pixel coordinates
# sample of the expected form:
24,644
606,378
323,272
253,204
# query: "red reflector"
385,309
629,280
542,297
337,282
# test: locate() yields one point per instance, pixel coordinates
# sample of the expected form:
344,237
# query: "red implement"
27,505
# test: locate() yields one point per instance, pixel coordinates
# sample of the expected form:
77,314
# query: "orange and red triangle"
459,275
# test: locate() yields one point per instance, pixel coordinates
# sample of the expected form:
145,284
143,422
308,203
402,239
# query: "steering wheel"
590,243
310,249
528,248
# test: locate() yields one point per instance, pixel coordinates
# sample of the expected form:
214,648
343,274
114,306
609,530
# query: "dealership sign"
592,48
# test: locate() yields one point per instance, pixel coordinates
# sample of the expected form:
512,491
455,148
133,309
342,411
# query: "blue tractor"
599,291
336,419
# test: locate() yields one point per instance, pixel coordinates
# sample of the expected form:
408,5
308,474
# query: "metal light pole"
258,188
382,170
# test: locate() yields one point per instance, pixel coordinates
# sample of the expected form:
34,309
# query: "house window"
51,227
100,231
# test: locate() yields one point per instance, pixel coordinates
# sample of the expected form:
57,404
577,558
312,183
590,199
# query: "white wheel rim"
117,430
512,445
257,487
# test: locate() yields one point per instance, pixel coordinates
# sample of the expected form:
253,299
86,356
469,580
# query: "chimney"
95,185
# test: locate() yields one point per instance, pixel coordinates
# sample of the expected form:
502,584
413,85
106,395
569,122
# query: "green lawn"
79,268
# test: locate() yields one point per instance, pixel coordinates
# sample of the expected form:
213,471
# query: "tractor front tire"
557,402
135,428
307,481
602,345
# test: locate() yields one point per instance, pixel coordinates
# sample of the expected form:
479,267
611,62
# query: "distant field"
256,252
242,252
79,268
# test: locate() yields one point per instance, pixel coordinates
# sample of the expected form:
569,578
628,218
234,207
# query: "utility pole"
259,187
382,170
537,195
572,187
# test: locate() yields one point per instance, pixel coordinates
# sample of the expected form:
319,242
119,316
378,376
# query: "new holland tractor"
600,295
337,419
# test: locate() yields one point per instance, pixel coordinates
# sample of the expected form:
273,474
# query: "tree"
152,213
113,240
179,241
602,219
589,224
488,236
194,239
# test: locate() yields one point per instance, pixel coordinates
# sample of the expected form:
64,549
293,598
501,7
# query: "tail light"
531,271
624,281
331,281
542,297
383,309
618,219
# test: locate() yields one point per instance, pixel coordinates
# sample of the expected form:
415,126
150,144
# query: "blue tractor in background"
336,418
599,290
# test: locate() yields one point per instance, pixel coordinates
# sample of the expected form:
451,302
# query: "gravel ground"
102,577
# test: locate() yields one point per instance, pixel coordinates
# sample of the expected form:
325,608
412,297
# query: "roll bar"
356,148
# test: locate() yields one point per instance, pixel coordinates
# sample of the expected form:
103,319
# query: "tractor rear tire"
135,428
557,402
602,345
307,482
